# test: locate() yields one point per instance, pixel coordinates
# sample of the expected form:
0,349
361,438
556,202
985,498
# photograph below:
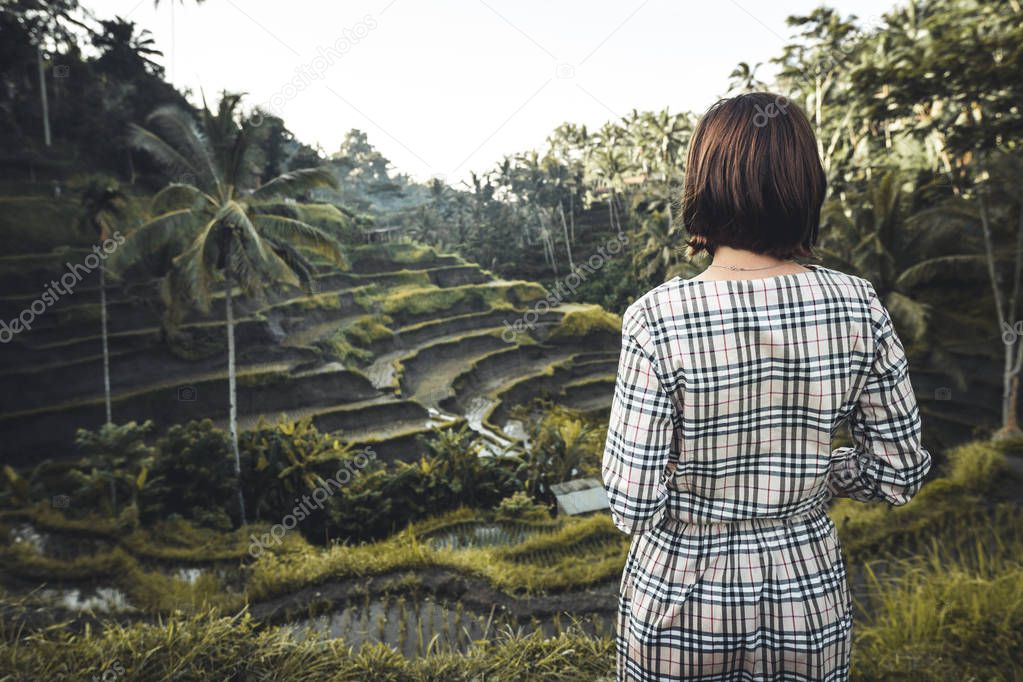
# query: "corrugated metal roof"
576,484
581,496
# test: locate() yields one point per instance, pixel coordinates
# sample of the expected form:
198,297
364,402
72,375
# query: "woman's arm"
639,434
887,461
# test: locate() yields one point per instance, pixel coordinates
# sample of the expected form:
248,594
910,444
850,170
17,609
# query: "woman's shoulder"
653,305
863,286
673,298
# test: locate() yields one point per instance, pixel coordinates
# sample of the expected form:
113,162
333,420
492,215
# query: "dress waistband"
814,516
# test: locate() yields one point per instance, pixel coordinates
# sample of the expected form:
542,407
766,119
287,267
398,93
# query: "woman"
730,386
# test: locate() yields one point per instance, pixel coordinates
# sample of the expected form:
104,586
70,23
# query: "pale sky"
443,87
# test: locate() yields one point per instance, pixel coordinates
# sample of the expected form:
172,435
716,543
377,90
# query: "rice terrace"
283,400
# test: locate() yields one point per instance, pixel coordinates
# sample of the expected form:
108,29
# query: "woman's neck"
731,263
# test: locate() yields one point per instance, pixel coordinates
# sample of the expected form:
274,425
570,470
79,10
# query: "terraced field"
406,341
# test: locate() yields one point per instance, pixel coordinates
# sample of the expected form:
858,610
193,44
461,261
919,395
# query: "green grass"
943,597
206,647
172,540
592,319
413,301
963,491
332,221
945,616
353,339
385,256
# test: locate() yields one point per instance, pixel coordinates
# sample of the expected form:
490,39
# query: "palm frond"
832,258
151,247
295,261
253,275
950,210
957,267
303,235
189,284
171,159
930,235
278,208
910,316
179,130
243,233
177,196
295,182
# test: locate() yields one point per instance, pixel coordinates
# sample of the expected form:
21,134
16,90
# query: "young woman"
730,386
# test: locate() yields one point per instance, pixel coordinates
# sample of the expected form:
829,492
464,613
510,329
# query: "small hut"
383,234
580,496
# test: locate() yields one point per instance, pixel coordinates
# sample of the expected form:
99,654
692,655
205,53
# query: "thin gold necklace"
736,267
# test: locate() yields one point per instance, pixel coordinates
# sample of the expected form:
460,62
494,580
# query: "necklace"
736,267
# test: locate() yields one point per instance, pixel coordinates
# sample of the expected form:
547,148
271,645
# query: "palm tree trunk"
671,210
1010,376
232,390
548,242
616,212
1010,399
571,216
42,95
568,242
106,340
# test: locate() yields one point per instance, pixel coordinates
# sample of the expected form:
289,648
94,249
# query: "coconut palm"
743,78
103,205
607,165
992,206
870,232
218,230
660,141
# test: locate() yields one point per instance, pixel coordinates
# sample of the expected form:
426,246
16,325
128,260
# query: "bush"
115,467
520,507
192,476
452,474
284,463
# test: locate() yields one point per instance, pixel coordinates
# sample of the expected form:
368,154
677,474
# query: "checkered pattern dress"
719,463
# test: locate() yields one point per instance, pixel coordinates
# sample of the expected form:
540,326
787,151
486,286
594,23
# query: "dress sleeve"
639,435
887,461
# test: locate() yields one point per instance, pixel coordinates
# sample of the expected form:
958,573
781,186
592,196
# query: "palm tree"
870,233
103,205
993,206
220,231
607,165
743,78
661,139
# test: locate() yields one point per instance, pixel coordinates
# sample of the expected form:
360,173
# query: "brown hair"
754,178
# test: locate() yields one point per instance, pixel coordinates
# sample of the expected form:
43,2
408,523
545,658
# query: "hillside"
406,341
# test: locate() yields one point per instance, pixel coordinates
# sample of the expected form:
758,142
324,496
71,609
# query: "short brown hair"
754,178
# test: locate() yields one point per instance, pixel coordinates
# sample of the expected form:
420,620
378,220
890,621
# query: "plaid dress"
719,463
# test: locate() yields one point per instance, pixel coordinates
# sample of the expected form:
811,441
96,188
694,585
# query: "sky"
445,87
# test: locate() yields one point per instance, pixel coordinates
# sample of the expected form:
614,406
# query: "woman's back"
762,372
719,460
